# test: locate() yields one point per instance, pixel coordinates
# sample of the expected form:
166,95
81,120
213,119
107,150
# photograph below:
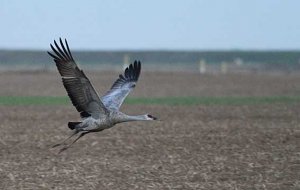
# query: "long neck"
124,118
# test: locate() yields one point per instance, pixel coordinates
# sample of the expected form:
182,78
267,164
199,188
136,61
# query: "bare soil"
192,147
158,84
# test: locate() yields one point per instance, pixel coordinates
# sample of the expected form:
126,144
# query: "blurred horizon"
191,61
151,50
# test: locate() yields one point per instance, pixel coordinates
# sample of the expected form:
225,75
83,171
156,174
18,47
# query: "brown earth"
192,147
158,84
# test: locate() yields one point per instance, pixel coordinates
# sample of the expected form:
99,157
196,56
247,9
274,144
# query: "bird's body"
97,113
95,125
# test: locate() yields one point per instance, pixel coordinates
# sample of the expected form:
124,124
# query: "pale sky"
151,24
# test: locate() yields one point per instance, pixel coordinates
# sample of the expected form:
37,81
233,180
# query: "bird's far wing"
78,86
114,98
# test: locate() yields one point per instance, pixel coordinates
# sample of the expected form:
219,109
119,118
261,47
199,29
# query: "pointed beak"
152,117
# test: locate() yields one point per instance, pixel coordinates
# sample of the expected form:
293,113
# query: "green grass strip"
239,100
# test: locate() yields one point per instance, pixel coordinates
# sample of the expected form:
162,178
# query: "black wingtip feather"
131,74
52,55
137,69
64,49
66,42
61,51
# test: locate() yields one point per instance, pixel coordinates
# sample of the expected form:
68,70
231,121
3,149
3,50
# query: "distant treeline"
8,57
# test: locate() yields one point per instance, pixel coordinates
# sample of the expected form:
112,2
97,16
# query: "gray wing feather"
78,86
114,98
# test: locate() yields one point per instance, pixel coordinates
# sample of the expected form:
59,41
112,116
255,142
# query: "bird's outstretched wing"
114,98
78,86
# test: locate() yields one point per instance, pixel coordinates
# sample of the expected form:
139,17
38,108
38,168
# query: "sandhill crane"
97,113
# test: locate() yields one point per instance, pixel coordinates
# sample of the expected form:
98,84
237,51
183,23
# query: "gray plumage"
97,113
114,98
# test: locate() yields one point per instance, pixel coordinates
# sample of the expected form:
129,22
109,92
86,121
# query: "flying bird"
96,113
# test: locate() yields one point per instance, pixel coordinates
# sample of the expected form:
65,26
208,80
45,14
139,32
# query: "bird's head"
150,117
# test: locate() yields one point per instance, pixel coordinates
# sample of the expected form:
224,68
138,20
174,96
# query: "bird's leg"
63,142
81,135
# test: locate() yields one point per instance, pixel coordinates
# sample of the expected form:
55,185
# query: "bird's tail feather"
72,125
